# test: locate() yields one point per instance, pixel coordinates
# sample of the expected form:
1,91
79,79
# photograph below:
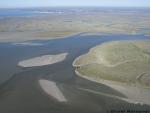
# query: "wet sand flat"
133,94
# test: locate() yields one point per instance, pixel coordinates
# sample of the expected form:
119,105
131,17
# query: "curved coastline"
134,94
134,91
117,61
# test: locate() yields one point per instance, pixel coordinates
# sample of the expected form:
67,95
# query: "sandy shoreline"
137,94
43,60
17,36
50,88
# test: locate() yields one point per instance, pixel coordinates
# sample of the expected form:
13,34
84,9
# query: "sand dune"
52,90
43,60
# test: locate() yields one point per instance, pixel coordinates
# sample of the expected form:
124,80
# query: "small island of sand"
43,60
50,88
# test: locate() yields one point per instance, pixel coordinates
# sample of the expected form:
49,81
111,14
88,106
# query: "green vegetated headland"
118,61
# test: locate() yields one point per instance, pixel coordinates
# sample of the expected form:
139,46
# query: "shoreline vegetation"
121,65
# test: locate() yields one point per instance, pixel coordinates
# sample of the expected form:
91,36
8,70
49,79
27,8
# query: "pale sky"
43,3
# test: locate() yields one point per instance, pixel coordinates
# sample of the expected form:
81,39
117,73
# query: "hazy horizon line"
74,7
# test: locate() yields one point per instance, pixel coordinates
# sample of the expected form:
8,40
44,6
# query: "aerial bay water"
52,86
20,91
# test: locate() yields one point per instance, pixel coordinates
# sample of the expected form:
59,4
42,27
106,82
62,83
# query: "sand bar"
51,89
43,60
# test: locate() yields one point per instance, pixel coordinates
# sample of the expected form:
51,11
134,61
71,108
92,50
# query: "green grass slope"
120,61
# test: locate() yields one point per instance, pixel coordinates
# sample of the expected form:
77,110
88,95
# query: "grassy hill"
120,61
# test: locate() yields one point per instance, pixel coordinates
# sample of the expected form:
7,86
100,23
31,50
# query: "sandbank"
51,89
43,60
